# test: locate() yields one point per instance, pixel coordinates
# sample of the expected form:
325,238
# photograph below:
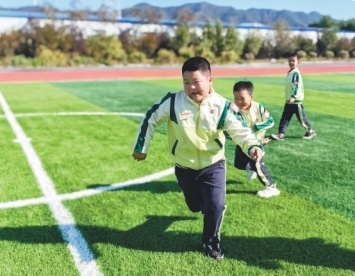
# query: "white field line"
117,186
88,192
82,255
23,203
78,113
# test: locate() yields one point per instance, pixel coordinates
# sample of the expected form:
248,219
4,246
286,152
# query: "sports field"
74,202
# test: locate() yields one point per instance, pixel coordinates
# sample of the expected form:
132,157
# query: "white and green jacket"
195,132
258,118
294,86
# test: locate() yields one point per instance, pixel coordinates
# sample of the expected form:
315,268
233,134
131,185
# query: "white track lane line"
82,255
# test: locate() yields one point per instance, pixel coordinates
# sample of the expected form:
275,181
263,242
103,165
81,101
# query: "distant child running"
196,120
294,92
258,119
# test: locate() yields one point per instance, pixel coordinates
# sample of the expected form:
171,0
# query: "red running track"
119,73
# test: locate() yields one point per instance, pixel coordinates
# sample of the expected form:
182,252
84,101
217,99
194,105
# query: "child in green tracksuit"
196,120
259,120
294,93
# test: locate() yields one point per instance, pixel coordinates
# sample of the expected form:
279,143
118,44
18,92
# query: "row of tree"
329,22
65,45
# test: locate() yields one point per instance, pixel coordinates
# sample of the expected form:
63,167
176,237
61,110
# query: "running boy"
294,93
196,120
258,119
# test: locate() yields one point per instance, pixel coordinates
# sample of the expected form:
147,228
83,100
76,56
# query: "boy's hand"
139,156
256,154
265,140
292,100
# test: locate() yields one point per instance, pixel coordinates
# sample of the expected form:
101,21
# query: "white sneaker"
269,191
251,175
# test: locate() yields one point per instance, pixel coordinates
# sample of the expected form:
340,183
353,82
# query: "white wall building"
14,21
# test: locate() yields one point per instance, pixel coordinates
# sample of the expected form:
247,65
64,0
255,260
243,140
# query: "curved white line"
88,192
117,186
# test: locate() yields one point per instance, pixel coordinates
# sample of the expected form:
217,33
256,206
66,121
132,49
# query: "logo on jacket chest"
186,114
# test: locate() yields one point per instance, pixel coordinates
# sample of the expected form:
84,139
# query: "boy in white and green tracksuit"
197,118
294,94
259,120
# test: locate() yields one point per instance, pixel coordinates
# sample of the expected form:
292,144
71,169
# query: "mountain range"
204,12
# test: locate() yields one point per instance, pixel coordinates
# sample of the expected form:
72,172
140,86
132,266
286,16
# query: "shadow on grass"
160,187
153,236
232,181
238,187
246,192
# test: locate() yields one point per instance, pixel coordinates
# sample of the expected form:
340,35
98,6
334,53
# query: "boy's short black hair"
293,55
196,64
241,85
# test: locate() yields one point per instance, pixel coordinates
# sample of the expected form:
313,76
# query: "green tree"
205,42
326,41
325,22
283,46
209,34
182,37
267,49
105,49
304,44
219,44
343,44
232,41
253,43
348,25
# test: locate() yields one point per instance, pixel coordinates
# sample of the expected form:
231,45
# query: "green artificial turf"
147,229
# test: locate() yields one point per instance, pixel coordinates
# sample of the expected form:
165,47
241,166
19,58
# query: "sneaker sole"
252,178
217,259
308,138
263,196
277,139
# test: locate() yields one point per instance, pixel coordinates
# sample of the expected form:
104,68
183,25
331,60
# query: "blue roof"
133,20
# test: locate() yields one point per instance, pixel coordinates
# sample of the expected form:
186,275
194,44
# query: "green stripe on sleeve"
144,126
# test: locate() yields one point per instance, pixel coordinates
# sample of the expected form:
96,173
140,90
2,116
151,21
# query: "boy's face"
242,99
197,85
293,62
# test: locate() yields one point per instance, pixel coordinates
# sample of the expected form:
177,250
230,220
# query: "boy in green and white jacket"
259,120
197,118
294,93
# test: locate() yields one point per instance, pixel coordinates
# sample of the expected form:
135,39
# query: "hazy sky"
337,9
